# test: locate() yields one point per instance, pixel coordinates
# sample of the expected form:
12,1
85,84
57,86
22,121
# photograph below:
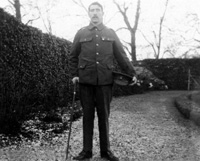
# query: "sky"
67,18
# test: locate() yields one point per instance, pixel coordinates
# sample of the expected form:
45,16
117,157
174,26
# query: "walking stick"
71,119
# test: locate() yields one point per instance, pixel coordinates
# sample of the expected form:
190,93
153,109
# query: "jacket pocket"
108,39
86,39
107,43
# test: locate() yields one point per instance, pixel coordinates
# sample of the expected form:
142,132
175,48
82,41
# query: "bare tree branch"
11,2
128,43
127,49
150,43
169,52
124,14
111,17
197,40
30,21
121,28
160,30
123,10
155,37
80,3
43,20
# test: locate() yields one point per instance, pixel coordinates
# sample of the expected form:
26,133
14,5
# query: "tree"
80,3
30,11
46,22
132,29
191,37
17,6
195,26
157,44
19,10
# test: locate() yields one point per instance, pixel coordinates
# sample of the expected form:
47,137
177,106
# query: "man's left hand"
134,81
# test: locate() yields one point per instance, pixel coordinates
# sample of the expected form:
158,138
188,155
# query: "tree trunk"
133,47
17,6
132,30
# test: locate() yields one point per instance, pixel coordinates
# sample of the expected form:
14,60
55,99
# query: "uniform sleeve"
73,56
121,57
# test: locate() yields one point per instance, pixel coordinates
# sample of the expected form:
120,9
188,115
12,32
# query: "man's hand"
134,81
75,79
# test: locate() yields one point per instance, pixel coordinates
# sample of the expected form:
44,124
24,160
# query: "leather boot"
83,155
109,156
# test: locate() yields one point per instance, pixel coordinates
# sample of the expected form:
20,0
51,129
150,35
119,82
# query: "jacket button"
97,35
97,62
97,53
97,44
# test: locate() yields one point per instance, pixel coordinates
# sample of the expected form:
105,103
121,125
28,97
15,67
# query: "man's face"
96,14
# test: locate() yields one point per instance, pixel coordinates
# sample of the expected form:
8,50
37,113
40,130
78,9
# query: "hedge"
34,70
175,71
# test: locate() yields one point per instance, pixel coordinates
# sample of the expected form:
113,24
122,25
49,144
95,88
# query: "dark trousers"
99,98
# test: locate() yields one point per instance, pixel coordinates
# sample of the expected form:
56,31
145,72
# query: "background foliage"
175,71
34,70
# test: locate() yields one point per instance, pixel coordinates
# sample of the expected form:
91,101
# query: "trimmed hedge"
188,107
34,70
170,72
175,71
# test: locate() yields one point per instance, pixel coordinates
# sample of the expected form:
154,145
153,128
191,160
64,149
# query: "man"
91,64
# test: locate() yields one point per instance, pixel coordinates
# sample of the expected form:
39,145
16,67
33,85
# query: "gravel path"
144,127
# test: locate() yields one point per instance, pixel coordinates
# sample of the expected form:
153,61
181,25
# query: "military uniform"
92,60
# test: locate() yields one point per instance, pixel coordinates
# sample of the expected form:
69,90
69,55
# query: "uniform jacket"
92,55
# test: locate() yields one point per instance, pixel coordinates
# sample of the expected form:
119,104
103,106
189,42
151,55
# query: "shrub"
34,70
174,71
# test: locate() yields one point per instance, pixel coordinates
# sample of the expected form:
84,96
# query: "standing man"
91,64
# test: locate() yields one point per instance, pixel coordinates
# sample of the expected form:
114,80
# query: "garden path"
144,127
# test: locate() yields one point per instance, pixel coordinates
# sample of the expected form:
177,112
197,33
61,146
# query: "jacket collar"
99,27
